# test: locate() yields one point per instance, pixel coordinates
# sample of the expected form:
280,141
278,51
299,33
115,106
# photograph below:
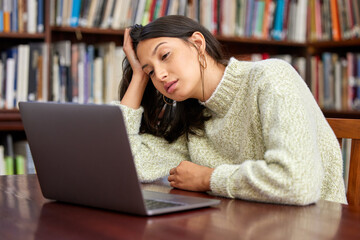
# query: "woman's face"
172,64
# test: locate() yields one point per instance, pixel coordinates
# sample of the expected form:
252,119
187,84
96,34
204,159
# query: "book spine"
40,16
336,35
278,22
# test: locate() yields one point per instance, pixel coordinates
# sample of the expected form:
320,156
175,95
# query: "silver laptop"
82,156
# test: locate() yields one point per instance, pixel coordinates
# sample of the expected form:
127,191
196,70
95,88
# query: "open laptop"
82,156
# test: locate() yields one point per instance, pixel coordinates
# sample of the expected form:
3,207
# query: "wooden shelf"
10,120
335,44
91,34
258,41
341,114
88,30
340,47
22,35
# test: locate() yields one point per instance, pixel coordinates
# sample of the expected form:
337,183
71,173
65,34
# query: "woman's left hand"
190,176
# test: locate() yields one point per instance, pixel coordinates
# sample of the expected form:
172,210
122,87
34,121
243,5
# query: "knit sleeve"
291,171
154,156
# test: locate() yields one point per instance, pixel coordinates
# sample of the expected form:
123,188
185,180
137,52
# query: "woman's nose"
161,74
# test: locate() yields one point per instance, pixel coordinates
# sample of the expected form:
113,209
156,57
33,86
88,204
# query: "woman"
247,130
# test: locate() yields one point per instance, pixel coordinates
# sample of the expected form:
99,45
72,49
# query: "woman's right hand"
139,80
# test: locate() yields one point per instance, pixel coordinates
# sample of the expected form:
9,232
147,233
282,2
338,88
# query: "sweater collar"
223,96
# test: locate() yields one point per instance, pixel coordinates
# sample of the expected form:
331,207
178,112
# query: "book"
2,84
56,91
89,74
336,31
58,14
327,83
7,15
14,16
40,16
92,13
84,12
9,155
23,73
300,25
278,20
63,50
140,11
75,13
23,159
31,16
2,161
99,13
10,82
117,16
337,82
106,20
74,72
35,52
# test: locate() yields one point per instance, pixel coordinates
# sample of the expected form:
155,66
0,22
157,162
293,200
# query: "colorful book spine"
278,22
40,16
336,32
1,20
14,16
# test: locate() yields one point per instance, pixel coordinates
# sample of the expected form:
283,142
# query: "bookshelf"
234,45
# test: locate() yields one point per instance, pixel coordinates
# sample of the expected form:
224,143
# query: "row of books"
22,16
299,63
267,19
264,19
79,73
333,20
293,20
23,74
15,157
335,80
84,73
113,14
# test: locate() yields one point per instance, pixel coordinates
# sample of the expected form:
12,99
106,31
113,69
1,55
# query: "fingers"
130,52
127,45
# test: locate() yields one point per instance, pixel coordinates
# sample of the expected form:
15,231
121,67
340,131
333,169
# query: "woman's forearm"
135,91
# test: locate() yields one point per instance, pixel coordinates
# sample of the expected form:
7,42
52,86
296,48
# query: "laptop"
82,156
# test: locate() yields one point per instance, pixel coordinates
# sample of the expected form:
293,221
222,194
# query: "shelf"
340,47
88,30
91,35
335,44
16,35
258,41
341,114
10,120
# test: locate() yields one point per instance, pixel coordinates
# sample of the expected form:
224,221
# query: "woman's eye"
164,56
151,73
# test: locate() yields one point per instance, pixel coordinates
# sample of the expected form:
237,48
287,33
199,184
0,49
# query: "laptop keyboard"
155,204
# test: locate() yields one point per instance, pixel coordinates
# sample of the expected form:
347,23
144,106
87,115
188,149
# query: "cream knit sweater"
267,139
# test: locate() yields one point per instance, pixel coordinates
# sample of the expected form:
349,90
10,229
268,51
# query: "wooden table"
25,214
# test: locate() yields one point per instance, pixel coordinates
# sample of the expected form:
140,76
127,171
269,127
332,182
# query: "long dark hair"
185,117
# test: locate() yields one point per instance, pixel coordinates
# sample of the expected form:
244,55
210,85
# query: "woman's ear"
199,41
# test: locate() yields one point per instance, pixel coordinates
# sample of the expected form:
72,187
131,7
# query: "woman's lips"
170,86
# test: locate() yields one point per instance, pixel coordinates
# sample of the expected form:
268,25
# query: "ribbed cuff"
219,181
132,117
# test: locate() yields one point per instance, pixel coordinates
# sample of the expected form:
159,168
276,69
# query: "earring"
166,102
202,60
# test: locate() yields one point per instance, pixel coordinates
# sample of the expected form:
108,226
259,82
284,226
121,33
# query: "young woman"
247,130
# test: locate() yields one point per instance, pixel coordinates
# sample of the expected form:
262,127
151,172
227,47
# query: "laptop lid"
82,155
